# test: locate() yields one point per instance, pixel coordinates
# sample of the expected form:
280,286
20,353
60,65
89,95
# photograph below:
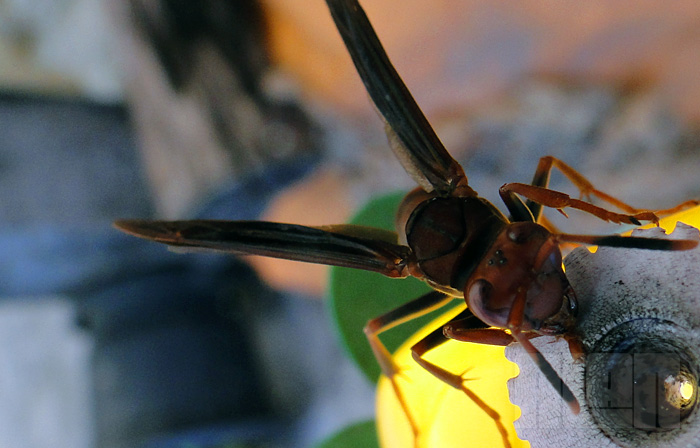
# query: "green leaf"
358,296
362,434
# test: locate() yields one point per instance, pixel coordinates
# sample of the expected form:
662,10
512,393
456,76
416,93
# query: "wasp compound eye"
642,383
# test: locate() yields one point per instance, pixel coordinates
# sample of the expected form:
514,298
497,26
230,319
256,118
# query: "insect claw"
563,212
464,372
401,373
464,379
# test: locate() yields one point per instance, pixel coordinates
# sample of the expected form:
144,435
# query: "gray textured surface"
613,286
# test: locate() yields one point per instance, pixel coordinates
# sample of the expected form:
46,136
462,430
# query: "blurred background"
243,109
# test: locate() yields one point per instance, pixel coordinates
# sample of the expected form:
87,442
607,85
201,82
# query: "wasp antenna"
630,242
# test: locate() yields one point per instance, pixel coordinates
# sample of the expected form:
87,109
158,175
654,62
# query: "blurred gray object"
59,46
168,337
197,76
69,168
67,161
46,395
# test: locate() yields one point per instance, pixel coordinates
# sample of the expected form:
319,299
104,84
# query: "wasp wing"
344,246
412,138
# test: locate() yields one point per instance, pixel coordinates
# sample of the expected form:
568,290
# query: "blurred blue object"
173,363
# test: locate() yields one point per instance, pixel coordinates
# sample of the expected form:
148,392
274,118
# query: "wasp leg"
586,189
467,322
539,195
411,310
560,201
498,336
412,139
531,210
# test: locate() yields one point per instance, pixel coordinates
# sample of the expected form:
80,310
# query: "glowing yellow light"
687,390
447,417
690,217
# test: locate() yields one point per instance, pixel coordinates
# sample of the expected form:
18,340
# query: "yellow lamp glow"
447,417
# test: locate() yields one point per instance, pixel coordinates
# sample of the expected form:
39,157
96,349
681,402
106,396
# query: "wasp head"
524,259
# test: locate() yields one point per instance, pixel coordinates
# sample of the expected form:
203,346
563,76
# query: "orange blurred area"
457,53
302,204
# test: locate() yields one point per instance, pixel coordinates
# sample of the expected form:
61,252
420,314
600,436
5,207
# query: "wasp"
507,268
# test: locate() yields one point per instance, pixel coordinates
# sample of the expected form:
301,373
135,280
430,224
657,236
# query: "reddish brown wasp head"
525,258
